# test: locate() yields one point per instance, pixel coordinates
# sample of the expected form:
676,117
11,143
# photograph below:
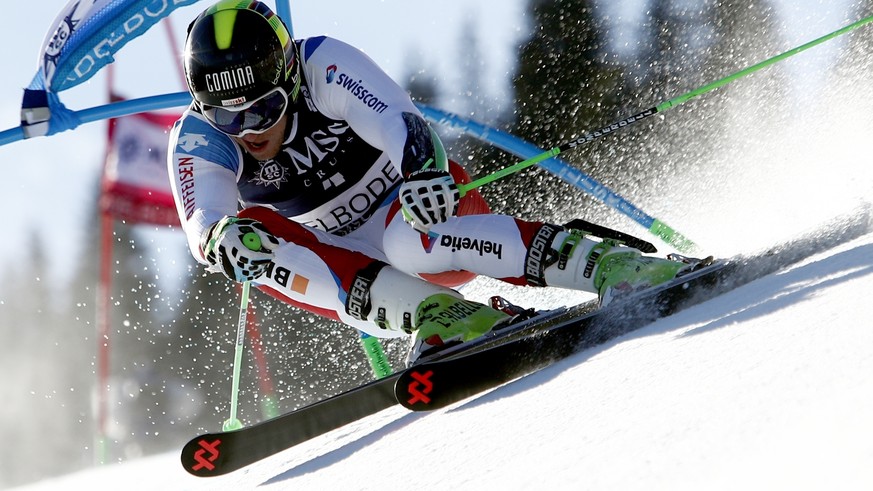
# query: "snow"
765,387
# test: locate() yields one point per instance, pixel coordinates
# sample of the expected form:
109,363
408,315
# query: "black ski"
214,454
436,384
219,453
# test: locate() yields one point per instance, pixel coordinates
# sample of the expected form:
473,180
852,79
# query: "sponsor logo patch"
270,174
482,247
538,253
359,90
358,298
330,74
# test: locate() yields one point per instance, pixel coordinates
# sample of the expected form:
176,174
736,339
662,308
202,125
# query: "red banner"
136,186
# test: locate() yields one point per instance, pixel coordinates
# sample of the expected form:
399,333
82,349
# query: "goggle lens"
257,116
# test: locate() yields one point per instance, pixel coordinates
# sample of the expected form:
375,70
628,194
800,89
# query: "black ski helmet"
237,51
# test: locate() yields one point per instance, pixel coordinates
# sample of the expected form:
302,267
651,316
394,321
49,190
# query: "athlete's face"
266,145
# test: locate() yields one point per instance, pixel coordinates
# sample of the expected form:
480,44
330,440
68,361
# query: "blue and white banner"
87,33
83,39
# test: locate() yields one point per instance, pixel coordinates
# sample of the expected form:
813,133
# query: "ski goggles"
256,116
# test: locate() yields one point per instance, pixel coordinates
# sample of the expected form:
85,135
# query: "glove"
428,197
240,248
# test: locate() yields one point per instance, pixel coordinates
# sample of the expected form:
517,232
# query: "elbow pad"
423,148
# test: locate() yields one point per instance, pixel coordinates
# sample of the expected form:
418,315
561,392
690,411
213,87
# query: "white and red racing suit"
330,194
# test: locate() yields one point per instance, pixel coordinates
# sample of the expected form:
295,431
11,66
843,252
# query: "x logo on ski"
422,379
206,462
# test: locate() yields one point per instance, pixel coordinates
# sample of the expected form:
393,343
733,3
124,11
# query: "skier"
302,167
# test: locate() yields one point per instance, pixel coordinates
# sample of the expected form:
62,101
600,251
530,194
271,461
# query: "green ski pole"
253,242
233,422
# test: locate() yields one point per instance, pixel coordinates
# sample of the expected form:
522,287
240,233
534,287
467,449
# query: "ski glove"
240,248
428,197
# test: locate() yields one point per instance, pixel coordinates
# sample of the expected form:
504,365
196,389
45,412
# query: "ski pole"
253,242
376,355
657,227
233,423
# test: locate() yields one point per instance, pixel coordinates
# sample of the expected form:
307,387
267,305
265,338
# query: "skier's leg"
312,270
525,253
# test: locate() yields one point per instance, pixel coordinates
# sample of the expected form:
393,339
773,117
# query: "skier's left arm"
347,85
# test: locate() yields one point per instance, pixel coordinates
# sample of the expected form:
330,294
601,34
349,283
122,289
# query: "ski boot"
627,275
623,273
436,316
445,320
607,268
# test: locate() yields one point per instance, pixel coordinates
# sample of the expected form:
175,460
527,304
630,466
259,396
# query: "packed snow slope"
765,387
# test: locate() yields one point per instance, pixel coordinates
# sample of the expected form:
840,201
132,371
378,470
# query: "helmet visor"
256,116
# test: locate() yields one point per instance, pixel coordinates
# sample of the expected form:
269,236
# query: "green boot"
444,320
606,268
625,272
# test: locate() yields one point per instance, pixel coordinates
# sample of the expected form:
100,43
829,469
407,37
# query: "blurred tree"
44,367
422,86
48,360
856,58
566,85
475,101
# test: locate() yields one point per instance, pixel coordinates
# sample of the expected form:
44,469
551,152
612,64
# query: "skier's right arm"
203,167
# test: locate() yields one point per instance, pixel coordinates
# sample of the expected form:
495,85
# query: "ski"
215,454
500,357
435,384
431,385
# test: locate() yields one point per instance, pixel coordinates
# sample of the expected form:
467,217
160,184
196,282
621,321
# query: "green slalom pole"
658,228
